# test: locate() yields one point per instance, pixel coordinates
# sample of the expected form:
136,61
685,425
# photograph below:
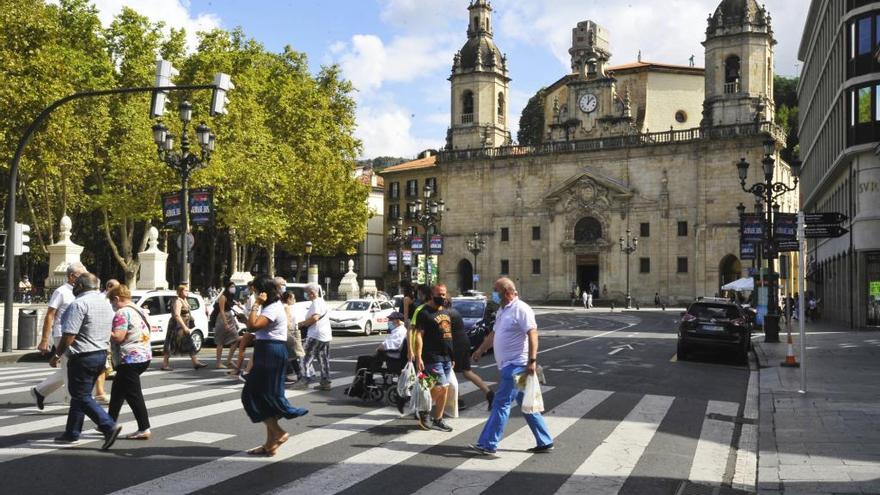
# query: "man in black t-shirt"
433,351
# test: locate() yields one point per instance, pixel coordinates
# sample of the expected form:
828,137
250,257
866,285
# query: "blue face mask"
496,298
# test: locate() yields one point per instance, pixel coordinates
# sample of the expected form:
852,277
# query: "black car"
478,331
714,323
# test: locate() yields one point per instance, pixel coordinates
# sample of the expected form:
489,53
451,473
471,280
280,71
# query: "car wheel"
197,340
368,328
682,351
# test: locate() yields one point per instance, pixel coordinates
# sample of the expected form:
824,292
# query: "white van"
157,305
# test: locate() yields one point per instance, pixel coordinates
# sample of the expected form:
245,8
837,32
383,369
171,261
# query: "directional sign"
813,232
788,246
823,218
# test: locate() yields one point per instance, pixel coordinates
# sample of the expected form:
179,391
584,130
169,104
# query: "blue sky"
398,53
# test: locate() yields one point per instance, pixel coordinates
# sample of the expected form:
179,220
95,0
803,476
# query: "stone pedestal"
370,289
348,287
241,278
61,255
313,274
154,263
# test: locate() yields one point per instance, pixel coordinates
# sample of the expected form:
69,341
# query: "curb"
746,471
22,357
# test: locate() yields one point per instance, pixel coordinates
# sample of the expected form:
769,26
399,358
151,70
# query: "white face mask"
232,290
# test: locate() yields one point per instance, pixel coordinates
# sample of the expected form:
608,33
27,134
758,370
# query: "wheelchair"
376,384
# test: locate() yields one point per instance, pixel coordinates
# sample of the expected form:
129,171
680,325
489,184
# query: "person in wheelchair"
388,352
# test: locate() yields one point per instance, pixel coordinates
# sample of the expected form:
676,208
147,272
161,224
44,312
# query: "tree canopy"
786,102
531,121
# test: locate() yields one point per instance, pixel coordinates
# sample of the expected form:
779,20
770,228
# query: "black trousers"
127,388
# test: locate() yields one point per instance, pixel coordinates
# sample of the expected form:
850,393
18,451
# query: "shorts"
462,359
441,370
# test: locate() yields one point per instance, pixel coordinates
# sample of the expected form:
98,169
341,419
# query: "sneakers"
38,398
102,399
490,396
324,386
138,435
541,449
480,449
289,381
440,424
65,439
422,419
110,437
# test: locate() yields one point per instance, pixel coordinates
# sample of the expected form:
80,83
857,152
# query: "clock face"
588,102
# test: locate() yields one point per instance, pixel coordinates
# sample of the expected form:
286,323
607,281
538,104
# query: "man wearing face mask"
515,340
433,352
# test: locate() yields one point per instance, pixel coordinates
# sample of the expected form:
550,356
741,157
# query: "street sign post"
788,246
822,218
824,231
822,225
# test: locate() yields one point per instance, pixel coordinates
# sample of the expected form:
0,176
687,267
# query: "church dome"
739,12
482,47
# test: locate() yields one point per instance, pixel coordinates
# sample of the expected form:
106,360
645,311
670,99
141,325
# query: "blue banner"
436,245
417,244
752,228
785,226
201,206
172,209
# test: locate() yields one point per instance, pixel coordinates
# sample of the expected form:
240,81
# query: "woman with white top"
263,393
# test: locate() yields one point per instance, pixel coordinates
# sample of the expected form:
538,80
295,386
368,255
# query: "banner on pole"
746,251
417,244
752,228
785,226
201,206
172,209
436,244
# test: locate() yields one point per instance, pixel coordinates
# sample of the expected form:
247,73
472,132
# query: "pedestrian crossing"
605,439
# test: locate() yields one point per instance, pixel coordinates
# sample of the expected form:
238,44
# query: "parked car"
157,305
714,323
471,310
361,315
300,307
477,333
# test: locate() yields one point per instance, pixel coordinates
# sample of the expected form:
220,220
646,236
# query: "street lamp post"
628,245
184,163
308,251
767,192
427,214
398,239
475,245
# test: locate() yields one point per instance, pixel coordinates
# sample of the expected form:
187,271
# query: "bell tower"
739,65
479,87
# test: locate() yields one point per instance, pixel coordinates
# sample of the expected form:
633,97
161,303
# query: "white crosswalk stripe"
177,401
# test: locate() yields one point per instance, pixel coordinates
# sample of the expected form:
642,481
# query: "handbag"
533,401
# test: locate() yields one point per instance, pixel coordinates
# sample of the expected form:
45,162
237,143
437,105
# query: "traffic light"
219,100
2,248
164,72
21,239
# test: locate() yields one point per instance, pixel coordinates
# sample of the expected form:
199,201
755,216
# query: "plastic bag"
452,397
533,401
407,380
421,398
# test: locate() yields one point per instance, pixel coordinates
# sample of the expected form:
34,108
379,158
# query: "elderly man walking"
85,337
318,339
515,340
58,304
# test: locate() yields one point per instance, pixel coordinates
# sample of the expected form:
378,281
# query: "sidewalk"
826,441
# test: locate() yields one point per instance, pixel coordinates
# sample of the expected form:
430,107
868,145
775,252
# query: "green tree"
531,122
786,102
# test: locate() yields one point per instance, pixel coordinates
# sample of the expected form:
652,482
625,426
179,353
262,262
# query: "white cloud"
422,15
174,13
386,130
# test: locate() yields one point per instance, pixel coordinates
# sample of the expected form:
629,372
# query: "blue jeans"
82,371
504,397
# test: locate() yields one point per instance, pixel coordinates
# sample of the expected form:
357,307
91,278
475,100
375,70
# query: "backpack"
214,313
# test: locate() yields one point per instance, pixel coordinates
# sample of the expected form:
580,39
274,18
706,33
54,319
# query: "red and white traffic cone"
790,360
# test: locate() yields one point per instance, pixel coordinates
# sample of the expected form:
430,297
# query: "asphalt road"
626,415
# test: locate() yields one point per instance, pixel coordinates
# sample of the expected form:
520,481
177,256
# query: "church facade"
642,150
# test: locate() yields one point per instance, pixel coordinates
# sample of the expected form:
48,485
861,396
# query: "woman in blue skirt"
263,393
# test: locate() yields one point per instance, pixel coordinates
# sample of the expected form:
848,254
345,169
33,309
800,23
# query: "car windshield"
717,311
469,309
135,299
355,306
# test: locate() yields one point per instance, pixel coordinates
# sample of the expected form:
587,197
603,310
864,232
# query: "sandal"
138,435
199,366
166,368
262,451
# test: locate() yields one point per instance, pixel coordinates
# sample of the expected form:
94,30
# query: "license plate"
712,328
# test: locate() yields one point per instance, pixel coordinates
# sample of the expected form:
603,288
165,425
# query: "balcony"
731,87
467,118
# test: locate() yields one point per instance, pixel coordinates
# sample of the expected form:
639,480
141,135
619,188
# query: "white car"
300,306
361,315
157,305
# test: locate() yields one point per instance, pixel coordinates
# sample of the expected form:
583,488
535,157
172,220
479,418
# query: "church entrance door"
465,276
587,272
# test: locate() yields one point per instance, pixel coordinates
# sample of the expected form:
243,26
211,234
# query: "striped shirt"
90,318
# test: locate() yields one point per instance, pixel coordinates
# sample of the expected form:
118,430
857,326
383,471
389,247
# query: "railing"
617,142
467,118
731,87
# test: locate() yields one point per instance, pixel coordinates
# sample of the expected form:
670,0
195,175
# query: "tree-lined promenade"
282,166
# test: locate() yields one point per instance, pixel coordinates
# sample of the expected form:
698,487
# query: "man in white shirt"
317,340
515,341
58,304
391,346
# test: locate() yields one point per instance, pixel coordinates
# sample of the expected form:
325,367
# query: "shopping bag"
533,401
421,398
406,380
452,397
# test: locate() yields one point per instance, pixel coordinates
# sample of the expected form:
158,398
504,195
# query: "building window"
681,116
863,110
394,190
394,212
467,107
644,229
682,229
500,108
505,234
587,230
432,183
731,75
863,37
644,265
505,267
536,267
864,114
412,230
682,265
536,233
412,188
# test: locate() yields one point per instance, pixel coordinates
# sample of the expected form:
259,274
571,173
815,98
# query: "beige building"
643,147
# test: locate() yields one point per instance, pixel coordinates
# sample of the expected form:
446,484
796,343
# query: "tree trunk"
233,252
270,263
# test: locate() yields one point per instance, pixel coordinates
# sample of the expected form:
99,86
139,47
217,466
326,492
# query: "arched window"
588,229
731,74
500,108
467,107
